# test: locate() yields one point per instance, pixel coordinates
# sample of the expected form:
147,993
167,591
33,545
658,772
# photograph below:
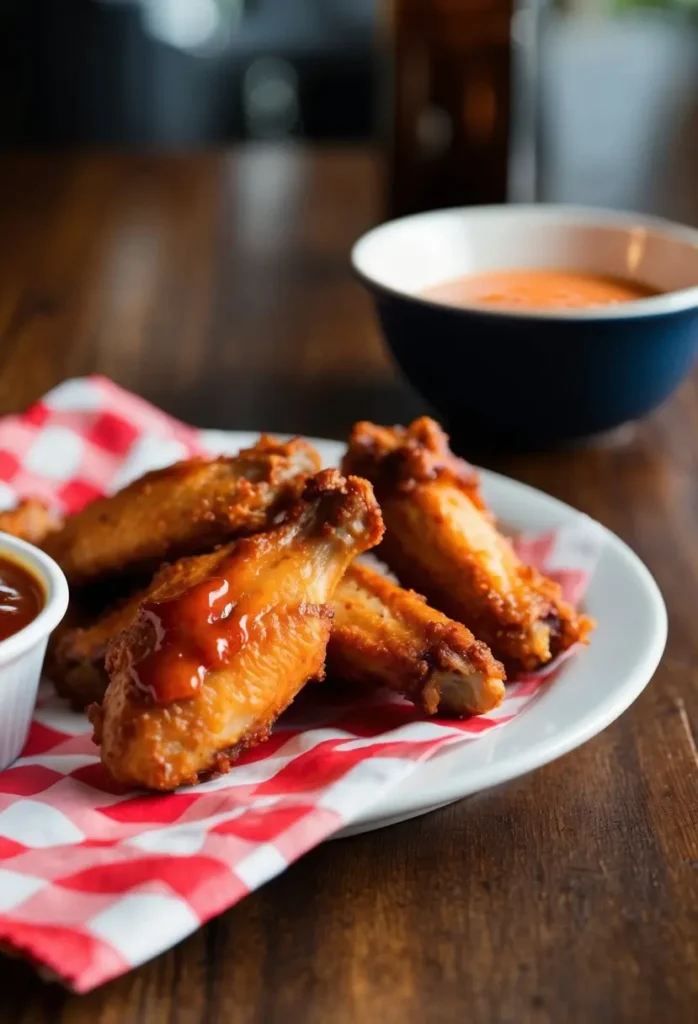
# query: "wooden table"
218,287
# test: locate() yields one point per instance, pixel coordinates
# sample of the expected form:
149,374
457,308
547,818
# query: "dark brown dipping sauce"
21,597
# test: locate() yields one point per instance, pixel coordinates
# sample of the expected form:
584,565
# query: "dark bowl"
535,378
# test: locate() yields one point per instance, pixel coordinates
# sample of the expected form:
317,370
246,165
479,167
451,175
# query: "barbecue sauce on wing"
193,633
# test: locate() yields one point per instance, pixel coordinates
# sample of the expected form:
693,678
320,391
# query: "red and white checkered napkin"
95,879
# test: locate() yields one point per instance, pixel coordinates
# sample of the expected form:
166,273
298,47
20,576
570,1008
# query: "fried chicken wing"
75,653
75,659
382,635
385,635
183,509
442,540
30,520
229,640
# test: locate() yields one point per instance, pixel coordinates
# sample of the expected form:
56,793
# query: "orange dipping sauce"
21,597
538,289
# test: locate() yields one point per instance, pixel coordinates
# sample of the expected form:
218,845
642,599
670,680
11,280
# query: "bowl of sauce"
527,326
33,600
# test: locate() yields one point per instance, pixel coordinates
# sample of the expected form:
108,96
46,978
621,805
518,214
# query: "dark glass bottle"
449,102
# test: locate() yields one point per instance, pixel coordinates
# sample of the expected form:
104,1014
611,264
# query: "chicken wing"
230,639
442,540
30,520
381,635
75,657
181,510
385,635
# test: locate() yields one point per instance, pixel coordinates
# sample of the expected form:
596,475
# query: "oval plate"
590,691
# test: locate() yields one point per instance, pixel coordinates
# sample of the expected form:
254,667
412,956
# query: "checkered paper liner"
96,879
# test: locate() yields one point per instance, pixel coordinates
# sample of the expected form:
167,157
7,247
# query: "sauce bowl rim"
677,301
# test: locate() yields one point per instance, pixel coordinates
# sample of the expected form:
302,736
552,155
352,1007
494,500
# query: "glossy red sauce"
538,289
193,634
21,597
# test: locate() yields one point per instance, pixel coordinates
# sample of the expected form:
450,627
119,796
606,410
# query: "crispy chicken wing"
75,658
76,648
30,520
229,639
181,510
442,540
385,635
382,635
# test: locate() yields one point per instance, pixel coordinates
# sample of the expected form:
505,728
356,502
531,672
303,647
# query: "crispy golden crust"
79,645
75,662
30,520
76,656
442,540
75,653
400,458
382,635
279,584
180,510
387,636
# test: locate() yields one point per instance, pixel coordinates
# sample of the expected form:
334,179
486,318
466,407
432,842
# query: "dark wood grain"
218,287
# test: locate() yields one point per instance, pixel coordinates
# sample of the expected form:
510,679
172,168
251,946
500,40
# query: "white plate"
592,689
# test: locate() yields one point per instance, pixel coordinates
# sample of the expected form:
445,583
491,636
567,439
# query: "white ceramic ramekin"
22,655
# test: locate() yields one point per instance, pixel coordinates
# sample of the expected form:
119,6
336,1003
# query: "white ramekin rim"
56,591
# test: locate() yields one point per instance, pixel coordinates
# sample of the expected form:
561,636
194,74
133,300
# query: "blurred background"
589,101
